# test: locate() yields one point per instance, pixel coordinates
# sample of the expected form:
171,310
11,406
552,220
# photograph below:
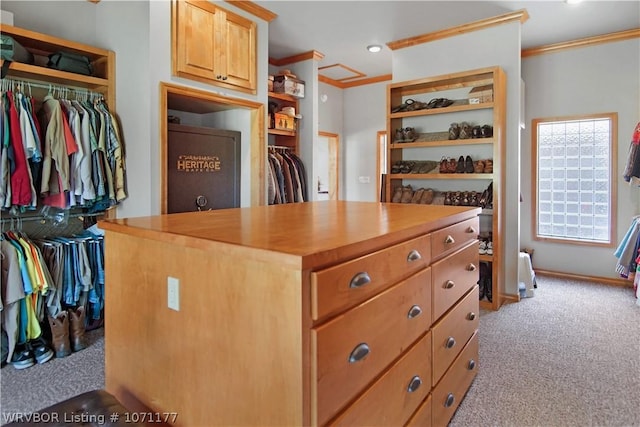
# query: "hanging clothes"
287,178
632,170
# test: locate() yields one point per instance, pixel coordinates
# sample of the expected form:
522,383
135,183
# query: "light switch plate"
173,293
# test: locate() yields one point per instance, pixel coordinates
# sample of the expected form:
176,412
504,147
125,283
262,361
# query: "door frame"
202,101
334,164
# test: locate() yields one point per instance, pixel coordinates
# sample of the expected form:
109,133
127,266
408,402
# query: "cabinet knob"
414,384
471,230
414,311
471,267
471,365
414,256
360,352
450,400
359,280
224,78
219,76
451,341
471,316
449,240
449,284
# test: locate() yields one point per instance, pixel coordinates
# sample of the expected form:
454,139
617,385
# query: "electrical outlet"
173,293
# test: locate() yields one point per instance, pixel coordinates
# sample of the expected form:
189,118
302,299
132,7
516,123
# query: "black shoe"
460,166
22,357
468,165
487,288
41,350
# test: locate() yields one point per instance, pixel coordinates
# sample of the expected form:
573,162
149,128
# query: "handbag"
71,62
12,51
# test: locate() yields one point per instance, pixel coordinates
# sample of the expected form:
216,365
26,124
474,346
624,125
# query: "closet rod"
48,86
19,219
279,147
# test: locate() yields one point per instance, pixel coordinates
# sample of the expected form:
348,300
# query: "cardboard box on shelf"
284,122
480,94
289,85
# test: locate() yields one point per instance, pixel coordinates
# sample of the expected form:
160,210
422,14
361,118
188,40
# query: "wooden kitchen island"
346,313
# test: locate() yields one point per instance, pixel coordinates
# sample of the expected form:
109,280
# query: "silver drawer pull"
471,365
449,284
471,267
414,311
471,316
359,280
414,384
471,230
451,341
414,256
360,352
448,240
450,400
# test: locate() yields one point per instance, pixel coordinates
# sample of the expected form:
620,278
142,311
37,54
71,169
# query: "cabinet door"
196,26
237,54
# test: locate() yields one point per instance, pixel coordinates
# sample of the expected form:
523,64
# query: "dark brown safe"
203,168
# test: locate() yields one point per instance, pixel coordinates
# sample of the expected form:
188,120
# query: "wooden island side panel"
238,351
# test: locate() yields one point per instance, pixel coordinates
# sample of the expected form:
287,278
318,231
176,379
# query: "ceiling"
341,30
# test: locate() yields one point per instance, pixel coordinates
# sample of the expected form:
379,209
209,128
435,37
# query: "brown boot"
77,338
60,334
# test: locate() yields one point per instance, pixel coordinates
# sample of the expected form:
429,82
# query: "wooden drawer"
422,417
350,350
453,277
448,394
392,399
454,237
453,331
352,282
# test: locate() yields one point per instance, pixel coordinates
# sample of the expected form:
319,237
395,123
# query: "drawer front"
352,282
448,394
453,277
453,331
422,417
392,399
355,347
454,237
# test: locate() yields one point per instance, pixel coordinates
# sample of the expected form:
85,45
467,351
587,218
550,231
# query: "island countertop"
303,235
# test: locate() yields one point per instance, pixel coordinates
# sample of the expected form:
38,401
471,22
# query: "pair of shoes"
27,354
485,282
67,330
439,103
450,165
407,134
407,194
483,166
403,107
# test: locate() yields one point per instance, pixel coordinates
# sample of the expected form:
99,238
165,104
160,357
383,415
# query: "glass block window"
574,198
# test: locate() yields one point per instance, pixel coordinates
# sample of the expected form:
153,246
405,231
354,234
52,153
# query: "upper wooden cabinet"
213,45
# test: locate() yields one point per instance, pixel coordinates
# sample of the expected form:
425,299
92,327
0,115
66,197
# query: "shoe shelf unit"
282,137
429,141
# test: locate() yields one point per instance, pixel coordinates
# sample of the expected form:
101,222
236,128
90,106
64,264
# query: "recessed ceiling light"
374,48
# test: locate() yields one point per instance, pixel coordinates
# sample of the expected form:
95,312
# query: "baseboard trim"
595,279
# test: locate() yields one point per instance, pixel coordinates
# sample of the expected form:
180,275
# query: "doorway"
246,114
326,161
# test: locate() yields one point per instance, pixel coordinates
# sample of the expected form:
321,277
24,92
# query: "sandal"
417,105
443,102
403,107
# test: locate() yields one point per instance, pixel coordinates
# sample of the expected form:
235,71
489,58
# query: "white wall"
130,39
330,119
364,116
498,45
54,18
598,79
